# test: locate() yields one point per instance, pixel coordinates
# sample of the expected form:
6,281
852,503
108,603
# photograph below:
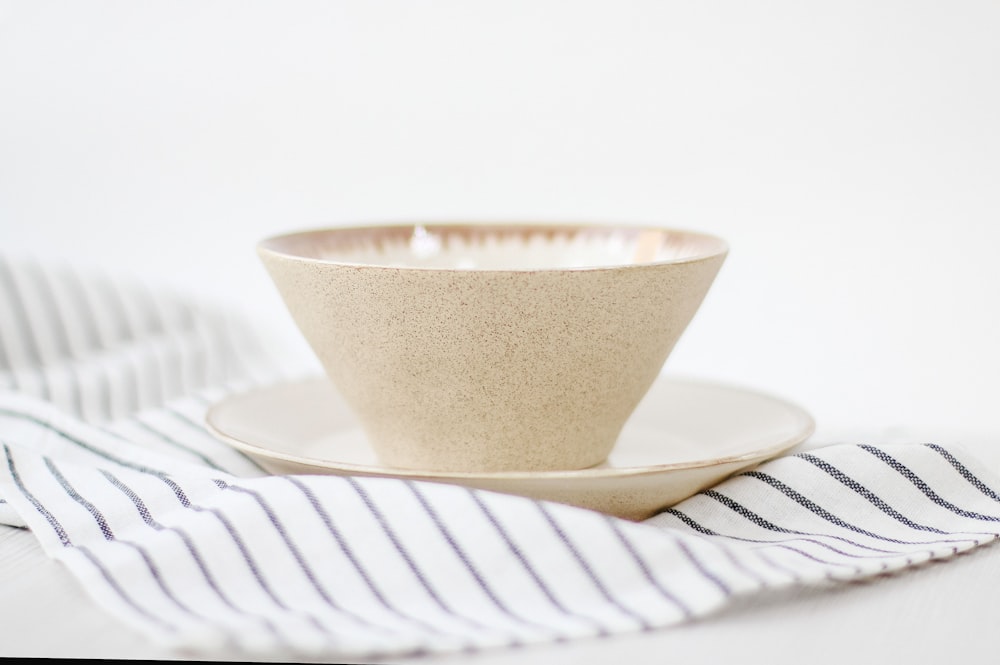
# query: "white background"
849,152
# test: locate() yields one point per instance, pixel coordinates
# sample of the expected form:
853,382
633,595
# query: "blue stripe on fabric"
94,341
56,527
201,429
24,325
163,436
92,303
644,567
700,528
588,570
388,531
199,561
522,559
296,553
79,442
154,570
833,519
702,568
355,562
85,551
154,361
964,472
920,484
871,497
802,537
59,324
99,518
113,583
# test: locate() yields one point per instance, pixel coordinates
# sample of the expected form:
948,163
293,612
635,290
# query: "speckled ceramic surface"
684,436
492,348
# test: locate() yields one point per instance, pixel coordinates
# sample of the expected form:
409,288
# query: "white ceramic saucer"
685,436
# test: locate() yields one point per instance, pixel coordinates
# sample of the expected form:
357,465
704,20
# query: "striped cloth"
105,459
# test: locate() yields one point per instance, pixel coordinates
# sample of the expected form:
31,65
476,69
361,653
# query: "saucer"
685,435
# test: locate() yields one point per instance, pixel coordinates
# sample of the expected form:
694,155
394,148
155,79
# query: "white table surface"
848,151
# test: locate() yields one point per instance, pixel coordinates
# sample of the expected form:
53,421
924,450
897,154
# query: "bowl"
492,347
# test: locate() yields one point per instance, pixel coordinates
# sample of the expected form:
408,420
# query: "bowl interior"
496,247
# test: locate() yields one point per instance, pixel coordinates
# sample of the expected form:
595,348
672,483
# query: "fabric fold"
192,544
362,567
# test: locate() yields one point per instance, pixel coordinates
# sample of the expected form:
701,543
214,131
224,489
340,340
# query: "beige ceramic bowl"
492,347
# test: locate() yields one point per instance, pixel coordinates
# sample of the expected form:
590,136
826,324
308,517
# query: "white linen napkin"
105,459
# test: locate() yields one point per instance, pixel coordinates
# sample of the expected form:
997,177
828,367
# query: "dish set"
518,358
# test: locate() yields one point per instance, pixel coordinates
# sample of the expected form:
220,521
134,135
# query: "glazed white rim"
806,427
269,245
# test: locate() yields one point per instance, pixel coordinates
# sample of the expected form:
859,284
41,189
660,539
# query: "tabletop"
848,152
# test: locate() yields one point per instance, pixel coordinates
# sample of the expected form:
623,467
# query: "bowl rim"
271,245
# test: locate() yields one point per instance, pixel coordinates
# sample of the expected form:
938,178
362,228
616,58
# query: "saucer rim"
807,428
